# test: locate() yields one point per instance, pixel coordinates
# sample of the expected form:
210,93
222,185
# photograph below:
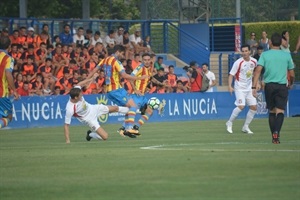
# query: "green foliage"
293,27
191,160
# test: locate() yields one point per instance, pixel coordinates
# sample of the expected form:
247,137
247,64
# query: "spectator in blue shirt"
66,37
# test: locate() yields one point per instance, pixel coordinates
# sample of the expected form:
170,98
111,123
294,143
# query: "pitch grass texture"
180,160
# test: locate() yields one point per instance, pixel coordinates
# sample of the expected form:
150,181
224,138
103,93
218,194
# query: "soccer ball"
154,103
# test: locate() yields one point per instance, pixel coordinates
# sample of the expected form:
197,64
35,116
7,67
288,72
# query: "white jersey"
211,76
80,110
243,71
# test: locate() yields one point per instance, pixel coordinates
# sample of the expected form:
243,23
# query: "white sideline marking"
178,147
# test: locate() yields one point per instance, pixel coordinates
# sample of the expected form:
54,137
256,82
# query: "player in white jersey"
87,113
242,70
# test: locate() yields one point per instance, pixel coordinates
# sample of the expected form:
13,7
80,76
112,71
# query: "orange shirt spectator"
136,61
24,91
14,38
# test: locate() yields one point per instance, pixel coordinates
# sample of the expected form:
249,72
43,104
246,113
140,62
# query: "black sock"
278,122
272,118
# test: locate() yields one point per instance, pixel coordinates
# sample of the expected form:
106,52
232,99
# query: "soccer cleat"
134,130
121,131
247,130
88,137
275,138
126,133
229,127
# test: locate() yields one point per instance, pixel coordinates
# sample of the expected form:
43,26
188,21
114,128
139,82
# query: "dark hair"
4,42
171,66
111,32
74,92
48,59
30,57
205,64
159,57
125,32
146,54
276,39
73,61
89,31
245,45
119,48
260,48
66,25
97,33
30,46
44,25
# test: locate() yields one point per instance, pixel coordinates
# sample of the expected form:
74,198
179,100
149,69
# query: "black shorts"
276,95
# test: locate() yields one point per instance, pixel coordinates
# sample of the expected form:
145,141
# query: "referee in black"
278,65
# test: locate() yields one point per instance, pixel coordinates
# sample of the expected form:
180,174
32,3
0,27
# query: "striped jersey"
242,70
6,63
112,68
141,70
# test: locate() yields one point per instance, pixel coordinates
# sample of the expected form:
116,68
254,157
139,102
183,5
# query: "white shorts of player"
244,97
94,113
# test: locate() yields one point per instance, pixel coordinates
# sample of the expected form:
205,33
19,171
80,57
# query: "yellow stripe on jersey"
6,63
141,85
112,68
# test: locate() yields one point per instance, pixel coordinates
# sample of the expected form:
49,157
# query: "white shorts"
244,98
94,113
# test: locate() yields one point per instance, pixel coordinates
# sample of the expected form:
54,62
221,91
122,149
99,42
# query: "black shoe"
88,137
135,127
126,133
275,138
143,109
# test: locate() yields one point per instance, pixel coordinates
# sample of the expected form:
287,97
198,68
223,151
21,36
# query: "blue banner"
50,111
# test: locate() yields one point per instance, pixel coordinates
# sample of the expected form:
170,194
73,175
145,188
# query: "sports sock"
4,122
249,117
272,117
123,110
131,117
234,114
278,122
143,119
95,136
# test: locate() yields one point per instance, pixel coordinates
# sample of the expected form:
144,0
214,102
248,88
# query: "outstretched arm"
87,81
67,133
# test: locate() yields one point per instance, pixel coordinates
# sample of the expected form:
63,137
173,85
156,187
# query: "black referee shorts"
276,95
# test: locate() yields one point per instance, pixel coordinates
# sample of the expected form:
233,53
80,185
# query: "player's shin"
4,122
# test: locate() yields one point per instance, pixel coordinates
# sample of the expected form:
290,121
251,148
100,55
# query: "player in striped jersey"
114,71
6,82
139,88
242,70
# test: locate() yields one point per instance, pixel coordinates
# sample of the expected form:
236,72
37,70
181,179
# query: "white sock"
123,110
95,136
234,114
249,117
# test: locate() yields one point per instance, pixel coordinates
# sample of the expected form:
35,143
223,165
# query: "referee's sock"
272,117
278,122
4,122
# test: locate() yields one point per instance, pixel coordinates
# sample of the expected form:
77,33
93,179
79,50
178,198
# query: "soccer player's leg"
251,101
146,111
96,131
240,104
5,112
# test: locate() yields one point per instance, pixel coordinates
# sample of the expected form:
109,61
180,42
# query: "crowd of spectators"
51,66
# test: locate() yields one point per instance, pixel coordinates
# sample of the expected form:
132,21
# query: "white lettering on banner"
175,109
193,107
35,111
14,114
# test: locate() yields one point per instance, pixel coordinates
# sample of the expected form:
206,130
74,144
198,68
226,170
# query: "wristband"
253,87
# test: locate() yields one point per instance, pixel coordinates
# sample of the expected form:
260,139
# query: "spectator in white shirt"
119,35
110,40
136,42
78,38
96,38
210,75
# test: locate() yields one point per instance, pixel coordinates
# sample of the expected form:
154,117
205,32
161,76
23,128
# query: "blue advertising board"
50,110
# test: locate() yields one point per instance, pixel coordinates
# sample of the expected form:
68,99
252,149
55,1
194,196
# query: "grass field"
180,160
